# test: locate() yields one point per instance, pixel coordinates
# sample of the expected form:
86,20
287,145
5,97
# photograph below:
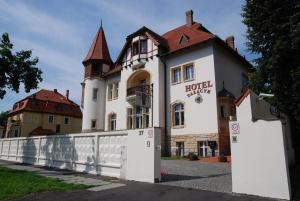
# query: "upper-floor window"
188,72
66,120
95,93
143,46
178,114
51,119
113,91
112,122
135,48
176,75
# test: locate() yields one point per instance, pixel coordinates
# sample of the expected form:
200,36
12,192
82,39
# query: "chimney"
189,18
67,93
230,42
55,90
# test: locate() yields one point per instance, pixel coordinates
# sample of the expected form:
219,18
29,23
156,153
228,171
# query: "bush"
192,156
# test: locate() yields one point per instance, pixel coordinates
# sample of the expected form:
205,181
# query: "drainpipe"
165,104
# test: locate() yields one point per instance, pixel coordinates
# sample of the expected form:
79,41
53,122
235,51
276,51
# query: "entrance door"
180,148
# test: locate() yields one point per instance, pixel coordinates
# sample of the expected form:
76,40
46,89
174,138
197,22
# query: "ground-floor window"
137,117
112,122
207,148
180,148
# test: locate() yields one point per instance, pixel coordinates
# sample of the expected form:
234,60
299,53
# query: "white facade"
213,68
261,150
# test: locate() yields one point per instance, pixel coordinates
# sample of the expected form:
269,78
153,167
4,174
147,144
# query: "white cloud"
31,20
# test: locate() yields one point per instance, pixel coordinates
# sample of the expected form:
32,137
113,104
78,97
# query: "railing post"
8,149
72,152
97,153
39,151
17,151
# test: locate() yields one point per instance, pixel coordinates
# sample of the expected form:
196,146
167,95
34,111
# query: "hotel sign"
198,88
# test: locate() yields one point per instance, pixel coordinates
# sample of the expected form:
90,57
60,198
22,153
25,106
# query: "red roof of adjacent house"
194,34
47,101
99,49
41,131
242,97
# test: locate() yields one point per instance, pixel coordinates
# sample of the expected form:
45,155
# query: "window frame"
173,75
65,120
181,117
95,94
52,119
145,41
135,48
112,122
185,74
92,123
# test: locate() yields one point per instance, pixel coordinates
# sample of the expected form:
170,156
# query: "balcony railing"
141,88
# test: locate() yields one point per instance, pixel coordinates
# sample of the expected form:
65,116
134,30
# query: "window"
207,148
116,90
110,91
138,117
113,122
129,118
57,129
143,46
178,115
113,91
95,92
16,133
176,75
222,111
188,72
180,149
93,124
183,40
135,48
50,119
66,120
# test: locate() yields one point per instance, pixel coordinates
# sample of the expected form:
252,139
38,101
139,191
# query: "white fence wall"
259,151
103,153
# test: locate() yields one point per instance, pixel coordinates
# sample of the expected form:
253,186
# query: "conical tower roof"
99,49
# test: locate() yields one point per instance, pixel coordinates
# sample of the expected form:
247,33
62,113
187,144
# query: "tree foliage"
3,118
16,68
273,32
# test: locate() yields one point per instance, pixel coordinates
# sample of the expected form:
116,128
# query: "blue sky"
61,32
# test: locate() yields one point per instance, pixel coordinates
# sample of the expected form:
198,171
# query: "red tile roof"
195,34
47,101
99,49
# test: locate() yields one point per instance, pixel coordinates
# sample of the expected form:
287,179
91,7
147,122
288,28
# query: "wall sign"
198,88
235,128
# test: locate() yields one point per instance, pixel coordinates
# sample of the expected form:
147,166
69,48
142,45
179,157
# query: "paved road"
197,175
135,191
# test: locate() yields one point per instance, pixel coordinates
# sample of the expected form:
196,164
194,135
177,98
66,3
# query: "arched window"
112,122
178,114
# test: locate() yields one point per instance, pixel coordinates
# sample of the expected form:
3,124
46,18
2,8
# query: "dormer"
140,46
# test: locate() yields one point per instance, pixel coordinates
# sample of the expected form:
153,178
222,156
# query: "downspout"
165,105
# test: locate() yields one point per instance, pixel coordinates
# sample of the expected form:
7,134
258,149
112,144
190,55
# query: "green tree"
3,118
16,68
273,33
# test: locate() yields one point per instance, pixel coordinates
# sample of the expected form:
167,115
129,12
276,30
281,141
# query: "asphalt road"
136,191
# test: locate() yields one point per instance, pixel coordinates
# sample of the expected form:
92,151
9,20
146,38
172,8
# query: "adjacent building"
44,113
184,81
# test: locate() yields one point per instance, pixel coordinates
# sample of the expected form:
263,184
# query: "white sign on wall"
235,128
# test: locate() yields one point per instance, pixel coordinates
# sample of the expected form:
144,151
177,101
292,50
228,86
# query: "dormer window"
143,46
183,39
139,47
135,48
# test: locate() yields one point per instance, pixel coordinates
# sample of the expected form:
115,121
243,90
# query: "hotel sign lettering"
198,88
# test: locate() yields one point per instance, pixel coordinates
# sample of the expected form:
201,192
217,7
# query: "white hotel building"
184,82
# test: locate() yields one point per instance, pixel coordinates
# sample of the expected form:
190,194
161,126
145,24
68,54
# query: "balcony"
139,95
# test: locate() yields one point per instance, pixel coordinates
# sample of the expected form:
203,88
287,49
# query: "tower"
96,62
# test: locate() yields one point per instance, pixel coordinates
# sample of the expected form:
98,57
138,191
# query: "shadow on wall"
29,151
